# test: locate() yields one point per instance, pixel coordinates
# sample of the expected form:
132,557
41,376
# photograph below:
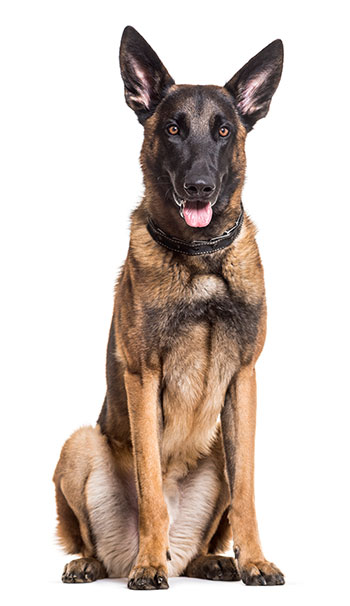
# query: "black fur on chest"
232,315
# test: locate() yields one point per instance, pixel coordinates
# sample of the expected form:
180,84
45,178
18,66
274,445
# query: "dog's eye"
173,129
223,131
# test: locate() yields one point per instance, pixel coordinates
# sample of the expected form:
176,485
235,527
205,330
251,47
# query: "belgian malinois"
165,480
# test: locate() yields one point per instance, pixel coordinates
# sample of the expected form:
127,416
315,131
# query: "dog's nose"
200,187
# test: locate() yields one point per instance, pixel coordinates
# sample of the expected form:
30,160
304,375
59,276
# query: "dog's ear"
145,78
254,85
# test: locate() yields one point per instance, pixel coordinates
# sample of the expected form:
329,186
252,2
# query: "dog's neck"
196,247
166,216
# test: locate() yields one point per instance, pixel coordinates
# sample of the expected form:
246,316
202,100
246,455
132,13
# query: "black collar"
197,247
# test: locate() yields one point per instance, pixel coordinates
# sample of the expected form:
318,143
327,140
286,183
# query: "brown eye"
173,129
223,131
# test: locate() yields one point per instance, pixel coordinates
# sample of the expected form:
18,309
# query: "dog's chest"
202,339
196,373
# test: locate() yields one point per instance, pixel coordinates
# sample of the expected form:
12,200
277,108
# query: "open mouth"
196,213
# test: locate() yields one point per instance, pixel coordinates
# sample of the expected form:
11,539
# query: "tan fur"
196,386
110,498
162,481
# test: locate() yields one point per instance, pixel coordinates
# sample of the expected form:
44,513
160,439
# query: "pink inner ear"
144,95
248,93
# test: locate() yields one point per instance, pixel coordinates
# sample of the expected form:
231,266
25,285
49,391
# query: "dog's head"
193,154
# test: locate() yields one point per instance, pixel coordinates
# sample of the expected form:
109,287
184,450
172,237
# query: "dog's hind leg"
214,566
96,507
68,529
201,531
197,504
82,570
217,539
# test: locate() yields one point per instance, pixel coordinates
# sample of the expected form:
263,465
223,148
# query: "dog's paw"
83,570
261,573
214,568
220,568
148,577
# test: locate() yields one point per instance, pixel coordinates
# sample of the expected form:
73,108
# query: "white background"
69,179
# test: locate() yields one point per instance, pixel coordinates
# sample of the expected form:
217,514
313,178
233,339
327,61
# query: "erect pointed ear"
254,85
145,78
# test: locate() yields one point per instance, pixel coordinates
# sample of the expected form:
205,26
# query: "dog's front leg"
238,428
150,570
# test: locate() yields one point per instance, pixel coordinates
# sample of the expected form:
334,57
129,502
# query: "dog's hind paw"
214,568
83,570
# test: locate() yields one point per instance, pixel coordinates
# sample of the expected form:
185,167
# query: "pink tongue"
197,214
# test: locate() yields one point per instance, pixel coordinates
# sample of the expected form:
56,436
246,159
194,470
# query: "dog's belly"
196,373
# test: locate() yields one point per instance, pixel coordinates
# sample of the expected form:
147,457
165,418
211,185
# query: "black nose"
199,188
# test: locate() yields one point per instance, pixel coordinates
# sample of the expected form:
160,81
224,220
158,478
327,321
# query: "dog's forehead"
199,103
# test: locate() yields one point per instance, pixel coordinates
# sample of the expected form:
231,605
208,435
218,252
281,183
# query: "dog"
165,480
